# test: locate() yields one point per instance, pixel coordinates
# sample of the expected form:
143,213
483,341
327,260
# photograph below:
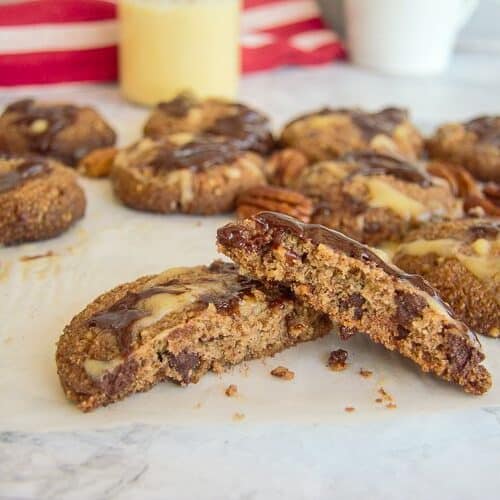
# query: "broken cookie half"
176,326
360,291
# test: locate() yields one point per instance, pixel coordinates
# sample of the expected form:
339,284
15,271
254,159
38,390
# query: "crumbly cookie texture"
39,199
360,291
374,197
474,144
247,128
62,131
461,259
197,174
329,133
176,326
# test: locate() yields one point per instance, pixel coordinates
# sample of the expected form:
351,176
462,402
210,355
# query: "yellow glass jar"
168,46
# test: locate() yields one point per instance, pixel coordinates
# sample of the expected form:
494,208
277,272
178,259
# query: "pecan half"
274,199
285,166
98,163
461,182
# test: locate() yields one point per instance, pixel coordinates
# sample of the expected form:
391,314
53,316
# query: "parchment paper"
113,245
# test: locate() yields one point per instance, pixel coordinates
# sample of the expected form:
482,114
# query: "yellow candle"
167,46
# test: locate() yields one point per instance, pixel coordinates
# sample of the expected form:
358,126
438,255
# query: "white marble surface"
451,455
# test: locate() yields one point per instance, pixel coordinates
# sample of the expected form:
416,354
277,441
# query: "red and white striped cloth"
49,41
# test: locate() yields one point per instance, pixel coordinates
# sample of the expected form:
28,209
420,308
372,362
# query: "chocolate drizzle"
197,155
56,117
486,128
370,124
225,290
28,169
247,128
370,163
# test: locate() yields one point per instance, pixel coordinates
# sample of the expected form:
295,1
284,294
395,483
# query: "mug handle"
468,7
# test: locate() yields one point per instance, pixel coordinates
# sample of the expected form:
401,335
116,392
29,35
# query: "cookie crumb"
337,361
349,409
365,373
378,400
391,406
26,258
283,372
231,390
385,398
197,406
238,417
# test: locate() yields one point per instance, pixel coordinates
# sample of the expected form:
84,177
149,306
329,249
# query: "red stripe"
286,30
248,4
55,11
52,67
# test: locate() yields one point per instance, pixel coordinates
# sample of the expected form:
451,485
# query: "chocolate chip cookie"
360,291
329,133
474,144
62,131
176,326
462,260
195,174
373,197
248,128
39,199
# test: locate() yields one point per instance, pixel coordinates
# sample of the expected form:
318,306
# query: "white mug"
412,37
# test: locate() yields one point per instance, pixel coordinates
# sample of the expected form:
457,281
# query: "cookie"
474,144
176,326
248,128
39,199
360,291
62,131
461,259
373,197
330,133
195,174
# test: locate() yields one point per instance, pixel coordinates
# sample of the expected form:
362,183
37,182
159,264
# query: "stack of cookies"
308,205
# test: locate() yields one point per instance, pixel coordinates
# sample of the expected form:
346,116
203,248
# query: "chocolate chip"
458,353
355,301
120,379
402,333
184,363
338,359
409,306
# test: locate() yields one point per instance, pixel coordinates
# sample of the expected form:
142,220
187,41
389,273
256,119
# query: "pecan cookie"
62,131
360,291
373,197
248,128
329,133
462,260
474,144
176,326
196,174
39,199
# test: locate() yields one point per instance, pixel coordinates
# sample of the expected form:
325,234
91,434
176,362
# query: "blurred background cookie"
185,113
39,199
329,133
373,197
62,131
199,174
474,144
461,259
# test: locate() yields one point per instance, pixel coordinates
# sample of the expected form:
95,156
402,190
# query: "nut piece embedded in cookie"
247,128
176,326
360,292
39,199
462,260
195,174
474,144
62,131
270,198
373,197
98,163
329,133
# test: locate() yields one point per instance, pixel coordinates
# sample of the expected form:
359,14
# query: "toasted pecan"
98,163
284,166
274,199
